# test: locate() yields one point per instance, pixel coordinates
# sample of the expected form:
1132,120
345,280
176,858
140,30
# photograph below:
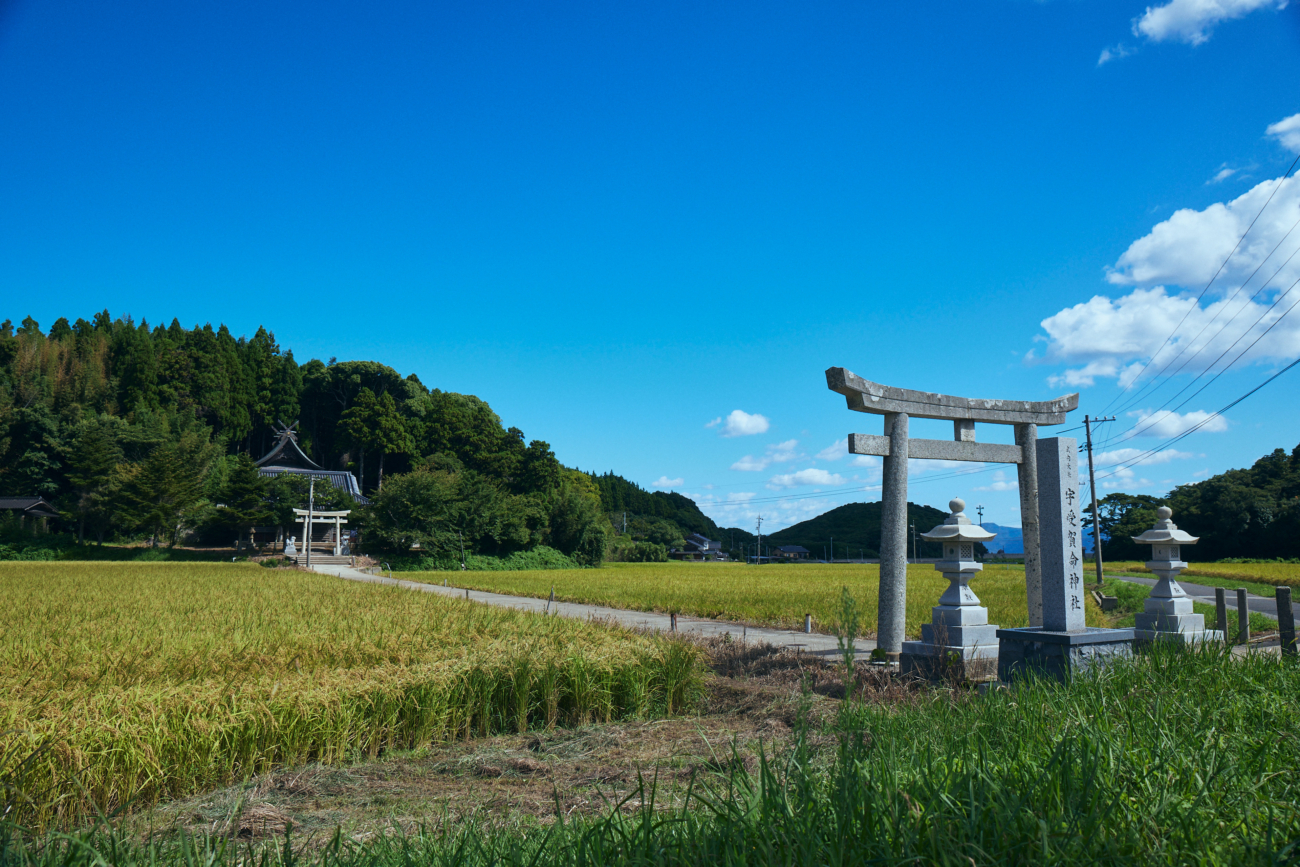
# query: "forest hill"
132,431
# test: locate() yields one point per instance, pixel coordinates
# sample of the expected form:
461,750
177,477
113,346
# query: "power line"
1233,252
1115,468
1235,293
1154,417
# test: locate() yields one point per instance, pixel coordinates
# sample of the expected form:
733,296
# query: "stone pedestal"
1063,645
1167,616
1059,655
958,641
1167,613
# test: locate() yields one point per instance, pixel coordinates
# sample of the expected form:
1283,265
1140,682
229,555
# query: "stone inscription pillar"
1061,534
893,538
1027,475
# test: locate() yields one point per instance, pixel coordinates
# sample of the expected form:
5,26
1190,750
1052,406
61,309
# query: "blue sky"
643,231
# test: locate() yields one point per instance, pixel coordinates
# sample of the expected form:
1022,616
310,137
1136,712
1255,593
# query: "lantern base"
1059,655
978,662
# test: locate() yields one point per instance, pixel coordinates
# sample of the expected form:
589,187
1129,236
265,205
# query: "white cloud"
717,421
1112,337
1001,482
810,476
783,452
665,482
1287,131
736,510
1109,338
865,461
1221,175
1111,477
1116,52
1192,21
777,453
742,424
834,451
1166,424
1188,248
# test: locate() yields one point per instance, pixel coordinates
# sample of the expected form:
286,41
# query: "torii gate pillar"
898,406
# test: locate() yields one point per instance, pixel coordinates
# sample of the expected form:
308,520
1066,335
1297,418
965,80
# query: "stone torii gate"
897,405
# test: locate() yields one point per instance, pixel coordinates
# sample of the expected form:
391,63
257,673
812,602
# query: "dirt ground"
755,694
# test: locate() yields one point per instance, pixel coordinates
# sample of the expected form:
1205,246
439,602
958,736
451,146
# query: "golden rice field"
153,680
1277,574
770,595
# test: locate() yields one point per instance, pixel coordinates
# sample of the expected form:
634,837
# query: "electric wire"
1155,417
1156,379
1124,464
1223,265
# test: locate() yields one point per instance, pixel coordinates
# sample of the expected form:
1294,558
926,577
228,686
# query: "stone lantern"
1167,612
959,639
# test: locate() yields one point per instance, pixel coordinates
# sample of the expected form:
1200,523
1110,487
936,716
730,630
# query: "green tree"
163,494
373,422
576,525
92,471
243,499
1120,517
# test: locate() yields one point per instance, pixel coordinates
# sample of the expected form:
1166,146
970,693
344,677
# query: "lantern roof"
1165,531
957,527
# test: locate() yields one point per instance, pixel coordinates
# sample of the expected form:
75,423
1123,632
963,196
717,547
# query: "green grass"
772,595
136,682
1131,596
1173,758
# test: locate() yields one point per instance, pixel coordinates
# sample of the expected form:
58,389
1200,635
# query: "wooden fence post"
1285,621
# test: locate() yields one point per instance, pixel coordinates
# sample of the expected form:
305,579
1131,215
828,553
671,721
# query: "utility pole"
980,511
916,556
311,507
1092,489
758,550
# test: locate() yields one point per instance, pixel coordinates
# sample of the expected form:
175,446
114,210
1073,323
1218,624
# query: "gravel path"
816,643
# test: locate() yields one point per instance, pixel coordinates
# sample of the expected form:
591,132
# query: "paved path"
816,643
1199,592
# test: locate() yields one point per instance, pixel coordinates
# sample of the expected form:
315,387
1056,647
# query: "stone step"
324,560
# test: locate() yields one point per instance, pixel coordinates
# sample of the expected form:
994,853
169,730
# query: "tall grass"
772,595
1174,758
135,682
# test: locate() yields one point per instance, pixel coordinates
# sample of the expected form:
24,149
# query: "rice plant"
1173,758
121,684
772,595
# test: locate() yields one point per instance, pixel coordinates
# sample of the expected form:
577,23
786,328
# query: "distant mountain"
1011,541
1008,539
855,528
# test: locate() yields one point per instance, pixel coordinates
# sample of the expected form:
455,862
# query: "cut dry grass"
144,681
770,595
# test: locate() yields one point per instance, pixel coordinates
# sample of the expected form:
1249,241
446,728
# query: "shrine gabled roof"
35,507
287,454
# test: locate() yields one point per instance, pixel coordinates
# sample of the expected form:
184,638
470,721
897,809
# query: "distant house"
698,547
789,552
28,507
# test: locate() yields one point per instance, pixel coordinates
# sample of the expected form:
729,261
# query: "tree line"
134,430
1248,513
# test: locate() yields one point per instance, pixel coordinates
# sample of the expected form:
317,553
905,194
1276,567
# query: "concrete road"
1199,592
815,643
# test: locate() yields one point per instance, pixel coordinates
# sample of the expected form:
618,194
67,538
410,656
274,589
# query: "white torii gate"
336,518
897,405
